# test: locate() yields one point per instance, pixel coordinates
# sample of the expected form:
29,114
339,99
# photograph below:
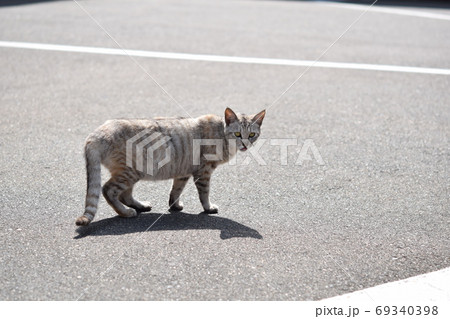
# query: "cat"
109,145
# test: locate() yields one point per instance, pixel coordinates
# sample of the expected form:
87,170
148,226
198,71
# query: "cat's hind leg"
178,185
112,190
127,198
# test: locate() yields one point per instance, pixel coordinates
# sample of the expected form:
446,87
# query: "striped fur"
107,146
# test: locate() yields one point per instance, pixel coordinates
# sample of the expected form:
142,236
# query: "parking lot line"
430,287
403,12
222,58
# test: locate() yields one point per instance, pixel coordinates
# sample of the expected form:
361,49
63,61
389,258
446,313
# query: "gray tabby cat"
108,146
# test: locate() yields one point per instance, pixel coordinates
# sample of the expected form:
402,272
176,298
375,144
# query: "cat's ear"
230,116
258,118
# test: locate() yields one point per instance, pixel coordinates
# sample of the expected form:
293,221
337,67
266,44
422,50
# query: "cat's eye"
237,134
251,135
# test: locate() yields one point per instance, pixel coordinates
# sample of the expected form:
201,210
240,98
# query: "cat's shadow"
170,221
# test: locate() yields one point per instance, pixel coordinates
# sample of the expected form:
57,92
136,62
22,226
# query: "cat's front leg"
202,182
178,185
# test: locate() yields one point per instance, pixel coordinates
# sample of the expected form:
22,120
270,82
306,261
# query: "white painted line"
431,287
403,12
222,58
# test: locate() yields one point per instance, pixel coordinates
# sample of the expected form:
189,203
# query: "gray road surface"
377,211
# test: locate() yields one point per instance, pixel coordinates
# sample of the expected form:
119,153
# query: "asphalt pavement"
374,211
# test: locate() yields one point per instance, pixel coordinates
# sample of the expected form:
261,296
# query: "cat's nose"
246,143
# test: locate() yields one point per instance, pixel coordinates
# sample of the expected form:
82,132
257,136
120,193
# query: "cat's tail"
94,182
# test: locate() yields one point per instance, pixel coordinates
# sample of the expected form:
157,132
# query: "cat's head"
245,129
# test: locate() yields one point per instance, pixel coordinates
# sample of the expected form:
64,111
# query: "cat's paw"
176,207
82,221
213,209
144,207
129,213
